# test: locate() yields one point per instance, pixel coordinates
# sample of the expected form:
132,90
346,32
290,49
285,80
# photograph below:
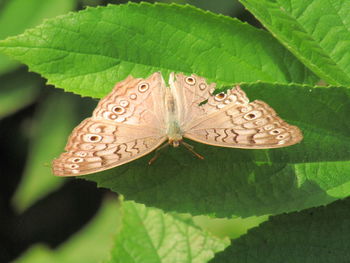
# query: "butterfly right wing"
238,123
189,92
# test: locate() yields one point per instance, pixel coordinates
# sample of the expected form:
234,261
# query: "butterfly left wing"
230,120
127,124
135,101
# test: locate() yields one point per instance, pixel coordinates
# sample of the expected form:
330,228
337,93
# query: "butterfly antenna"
191,149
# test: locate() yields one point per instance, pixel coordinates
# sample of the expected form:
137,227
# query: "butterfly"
139,115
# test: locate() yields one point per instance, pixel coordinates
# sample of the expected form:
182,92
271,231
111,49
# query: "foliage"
89,245
31,13
162,237
317,32
46,131
89,51
86,52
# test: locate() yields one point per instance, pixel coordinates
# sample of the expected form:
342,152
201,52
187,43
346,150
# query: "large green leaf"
314,235
89,51
149,235
218,6
92,244
317,32
252,182
17,15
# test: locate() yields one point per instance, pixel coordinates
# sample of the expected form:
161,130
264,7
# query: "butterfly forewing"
127,124
196,100
190,92
135,101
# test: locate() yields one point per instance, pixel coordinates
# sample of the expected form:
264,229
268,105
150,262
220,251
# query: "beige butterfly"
139,115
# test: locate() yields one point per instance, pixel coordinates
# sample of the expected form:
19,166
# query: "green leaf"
55,119
314,235
224,227
232,8
252,182
89,51
317,32
90,245
17,90
149,235
17,15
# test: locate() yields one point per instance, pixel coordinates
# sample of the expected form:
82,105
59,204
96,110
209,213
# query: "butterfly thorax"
174,132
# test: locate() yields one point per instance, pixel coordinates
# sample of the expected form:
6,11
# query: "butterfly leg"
191,149
157,153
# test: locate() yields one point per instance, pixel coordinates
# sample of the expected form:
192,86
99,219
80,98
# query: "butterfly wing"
189,92
99,145
228,119
127,124
135,101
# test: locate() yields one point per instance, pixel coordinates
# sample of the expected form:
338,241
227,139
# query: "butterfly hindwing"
239,123
95,146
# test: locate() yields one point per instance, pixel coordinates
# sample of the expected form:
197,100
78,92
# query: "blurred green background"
35,120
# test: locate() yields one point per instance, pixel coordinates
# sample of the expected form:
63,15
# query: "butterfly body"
139,115
174,131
